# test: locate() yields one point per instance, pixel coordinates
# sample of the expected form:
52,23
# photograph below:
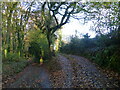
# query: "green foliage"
13,57
103,49
106,16
15,19
38,45
12,68
109,57
115,61
78,46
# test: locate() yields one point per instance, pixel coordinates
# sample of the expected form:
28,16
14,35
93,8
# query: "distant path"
32,77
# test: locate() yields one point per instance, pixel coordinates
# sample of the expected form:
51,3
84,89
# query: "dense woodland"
33,30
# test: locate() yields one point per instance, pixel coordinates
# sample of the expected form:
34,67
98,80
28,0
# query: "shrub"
38,45
115,61
12,57
12,68
103,50
108,57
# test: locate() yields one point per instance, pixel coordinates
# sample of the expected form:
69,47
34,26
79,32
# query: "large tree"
51,16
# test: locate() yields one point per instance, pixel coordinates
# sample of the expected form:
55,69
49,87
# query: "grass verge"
10,69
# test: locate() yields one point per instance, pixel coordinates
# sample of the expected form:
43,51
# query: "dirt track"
77,72
81,73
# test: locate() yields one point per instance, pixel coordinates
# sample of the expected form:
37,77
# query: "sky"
69,29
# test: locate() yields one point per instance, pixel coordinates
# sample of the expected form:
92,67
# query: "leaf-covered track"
76,72
81,73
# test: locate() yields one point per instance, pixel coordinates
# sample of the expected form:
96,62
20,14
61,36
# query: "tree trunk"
49,44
